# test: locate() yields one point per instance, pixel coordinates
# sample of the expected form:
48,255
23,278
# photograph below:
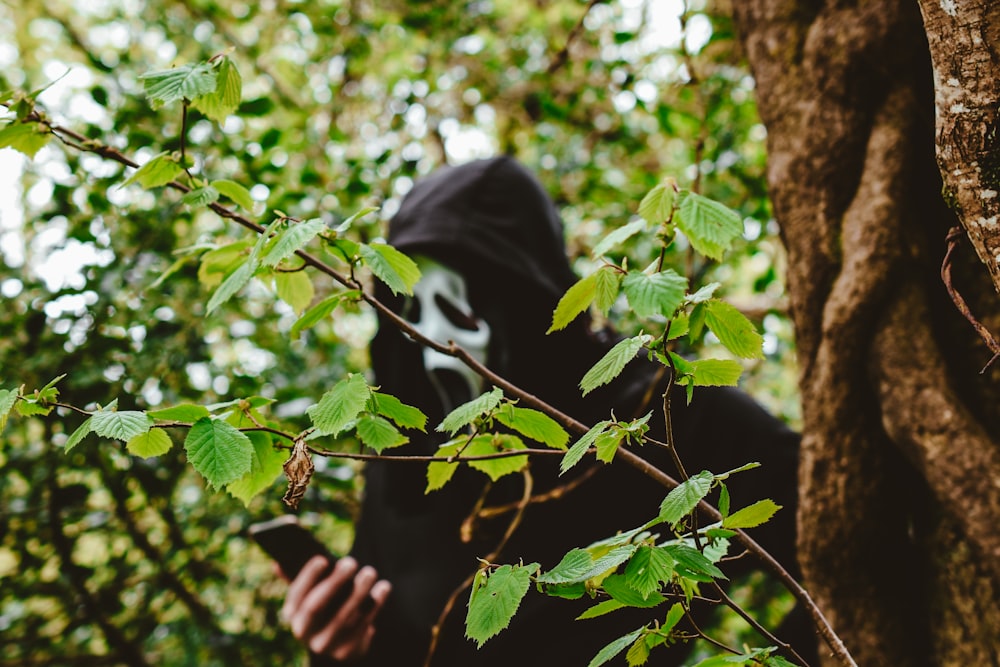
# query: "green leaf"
27,138
179,83
294,288
340,406
185,412
618,236
81,432
608,653
619,588
723,500
406,416
649,568
658,204
685,497
233,283
219,262
266,463
396,270
200,197
709,225
225,99
612,363
123,425
607,444
658,294
580,447
218,451
716,372
8,397
158,170
320,311
495,601
440,473
752,515
294,238
153,442
609,283
466,413
734,330
236,192
572,568
484,445
379,433
600,609
575,301
693,560
29,407
533,424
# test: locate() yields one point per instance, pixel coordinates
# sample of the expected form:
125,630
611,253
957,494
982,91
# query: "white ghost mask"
440,311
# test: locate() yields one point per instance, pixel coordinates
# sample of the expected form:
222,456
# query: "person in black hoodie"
492,239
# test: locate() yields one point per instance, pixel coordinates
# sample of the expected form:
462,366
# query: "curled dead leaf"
299,469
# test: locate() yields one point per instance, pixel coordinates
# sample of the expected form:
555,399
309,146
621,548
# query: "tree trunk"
901,468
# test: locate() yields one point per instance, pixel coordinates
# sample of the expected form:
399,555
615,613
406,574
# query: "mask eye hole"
457,317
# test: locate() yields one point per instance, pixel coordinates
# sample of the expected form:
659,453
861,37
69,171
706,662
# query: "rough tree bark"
901,463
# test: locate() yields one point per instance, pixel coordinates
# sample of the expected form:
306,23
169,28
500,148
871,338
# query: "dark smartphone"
289,543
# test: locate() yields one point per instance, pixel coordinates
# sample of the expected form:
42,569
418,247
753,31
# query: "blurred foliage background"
110,559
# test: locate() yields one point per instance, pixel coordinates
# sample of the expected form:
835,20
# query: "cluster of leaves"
127,530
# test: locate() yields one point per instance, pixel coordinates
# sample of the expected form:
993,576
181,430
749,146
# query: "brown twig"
954,236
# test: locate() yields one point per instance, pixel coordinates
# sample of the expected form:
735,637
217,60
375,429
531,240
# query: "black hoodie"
492,222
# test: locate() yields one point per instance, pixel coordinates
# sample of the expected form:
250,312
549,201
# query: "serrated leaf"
24,138
693,560
123,425
483,445
709,225
154,442
609,652
294,288
607,444
575,301
340,406
600,609
379,433
440,473
266,463
225,99
396,270
8,397
612,363
657,206
658,294
533,424
185,412
752,515
185,82
81,432
232,284
158,170
466,413
236,192
294,238
648,569
200,197
405,416
734,330
580,447
703,294
572,568
219,452
219,262
723,500
320,311
685,497
609,284
618,236
494,602
619,587
716,372
29,408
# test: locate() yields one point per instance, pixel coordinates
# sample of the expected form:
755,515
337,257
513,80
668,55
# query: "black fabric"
493,222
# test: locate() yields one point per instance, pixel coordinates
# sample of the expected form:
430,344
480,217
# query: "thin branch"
954,236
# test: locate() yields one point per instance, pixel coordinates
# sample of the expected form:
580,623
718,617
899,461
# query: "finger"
302,584
349,633
323,600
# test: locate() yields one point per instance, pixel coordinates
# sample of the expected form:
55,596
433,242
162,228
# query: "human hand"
342,631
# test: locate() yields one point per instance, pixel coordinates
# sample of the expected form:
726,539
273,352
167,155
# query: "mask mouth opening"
452,387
